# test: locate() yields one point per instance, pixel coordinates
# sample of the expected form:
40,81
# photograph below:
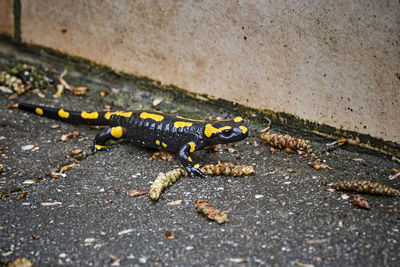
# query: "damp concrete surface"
280,216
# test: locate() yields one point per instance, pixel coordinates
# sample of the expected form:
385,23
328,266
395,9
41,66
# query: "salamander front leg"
186,160
99,142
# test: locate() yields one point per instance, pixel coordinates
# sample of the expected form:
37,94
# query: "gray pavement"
276,217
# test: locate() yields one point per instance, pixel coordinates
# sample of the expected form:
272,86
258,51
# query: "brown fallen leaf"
20,262
314,165
67,167
169,235
13,106
138,192
21,196
76,152
66,137
341,142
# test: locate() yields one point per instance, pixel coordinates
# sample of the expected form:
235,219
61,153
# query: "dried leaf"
66,137
13,106
314,165
21,196
175,203
50,204
28,182
238,260
29,147
79,91
76,152
67,167
20,262
156,101
59,92
127,231
55,126
103,94
169,235
231,150
1,168
138,192
341,142
394,176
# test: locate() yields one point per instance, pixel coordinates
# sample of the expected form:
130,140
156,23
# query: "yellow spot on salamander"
179,124
244,129
92,115
39,111
164,144
190,159
179,117
99,147
118,113
117,132
192,147
157,142
197,166
146,115
210,130
63,114
237,119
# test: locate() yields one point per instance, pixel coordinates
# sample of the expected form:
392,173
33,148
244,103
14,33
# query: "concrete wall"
6,17
334,62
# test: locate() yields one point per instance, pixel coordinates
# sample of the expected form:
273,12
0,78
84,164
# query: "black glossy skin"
154,130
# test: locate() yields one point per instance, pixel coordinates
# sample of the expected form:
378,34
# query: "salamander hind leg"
113,133
186,160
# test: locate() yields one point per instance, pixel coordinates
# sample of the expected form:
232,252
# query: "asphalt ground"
280,216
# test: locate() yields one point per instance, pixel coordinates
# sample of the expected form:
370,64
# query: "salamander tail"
83,117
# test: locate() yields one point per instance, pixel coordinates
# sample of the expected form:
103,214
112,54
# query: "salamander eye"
227,132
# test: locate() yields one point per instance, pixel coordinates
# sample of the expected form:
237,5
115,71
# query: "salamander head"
223,132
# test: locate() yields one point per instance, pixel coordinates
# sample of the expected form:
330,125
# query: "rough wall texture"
6,17
332,62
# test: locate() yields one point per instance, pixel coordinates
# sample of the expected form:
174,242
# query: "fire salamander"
152,129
